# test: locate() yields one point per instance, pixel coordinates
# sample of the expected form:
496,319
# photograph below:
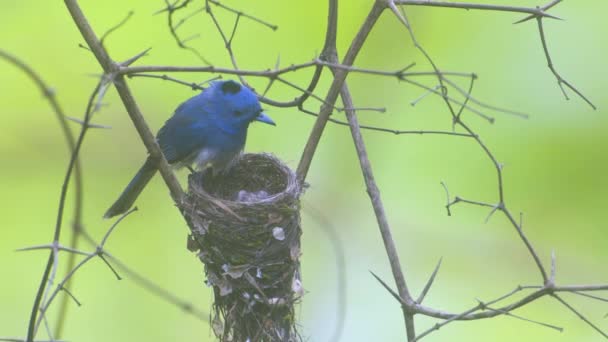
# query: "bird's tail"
129,195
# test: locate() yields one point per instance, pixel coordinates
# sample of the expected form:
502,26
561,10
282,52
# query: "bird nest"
246,229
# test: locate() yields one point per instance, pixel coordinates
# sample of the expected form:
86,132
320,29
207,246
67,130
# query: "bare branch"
109,232
376,201
438,326
52,246
335,88
581,316
114,28
540,12
245,15
78,193
469,97
506,313
129,102
171,9
560,81
34,323
8,339
71,296
602,299
99,252
424,96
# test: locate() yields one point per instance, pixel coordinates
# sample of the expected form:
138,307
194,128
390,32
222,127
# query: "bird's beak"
265,119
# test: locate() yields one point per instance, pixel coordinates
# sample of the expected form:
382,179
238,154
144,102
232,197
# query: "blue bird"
208,130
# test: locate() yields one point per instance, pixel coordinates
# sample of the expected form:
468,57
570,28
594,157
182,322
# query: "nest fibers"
246,228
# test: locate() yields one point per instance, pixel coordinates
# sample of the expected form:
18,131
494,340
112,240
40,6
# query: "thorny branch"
115,73
549,283
198,86
51,265
45,296
171,9
110,68
50,95
536,12
408,305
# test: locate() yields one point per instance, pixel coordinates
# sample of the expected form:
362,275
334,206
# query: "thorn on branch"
541,15
186,18
400,74
447,195
100,254
494,209
82,46
521,221
48,92
55,246
551,280
88,125
135,58
482,305
69,293
190,38
391,291
541,12
236,24
429,283
424,95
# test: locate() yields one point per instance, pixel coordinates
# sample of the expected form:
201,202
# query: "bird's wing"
181,136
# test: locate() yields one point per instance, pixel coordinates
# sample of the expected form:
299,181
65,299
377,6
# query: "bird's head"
235,105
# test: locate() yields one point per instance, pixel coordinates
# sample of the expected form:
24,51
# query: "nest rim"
290,189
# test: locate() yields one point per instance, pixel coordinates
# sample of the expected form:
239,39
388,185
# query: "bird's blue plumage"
209,130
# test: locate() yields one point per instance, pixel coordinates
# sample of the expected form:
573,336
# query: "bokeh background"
556,164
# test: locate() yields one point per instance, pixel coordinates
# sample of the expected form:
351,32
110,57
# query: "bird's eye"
238,113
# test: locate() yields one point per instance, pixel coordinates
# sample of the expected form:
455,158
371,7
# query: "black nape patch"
231,87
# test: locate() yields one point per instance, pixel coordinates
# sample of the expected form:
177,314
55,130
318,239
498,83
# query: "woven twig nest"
246,228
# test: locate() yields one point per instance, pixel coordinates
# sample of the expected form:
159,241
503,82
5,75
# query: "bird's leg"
190,168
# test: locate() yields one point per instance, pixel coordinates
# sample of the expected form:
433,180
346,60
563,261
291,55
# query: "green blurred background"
555,167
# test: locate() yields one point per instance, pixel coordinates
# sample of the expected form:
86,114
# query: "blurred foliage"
555,166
